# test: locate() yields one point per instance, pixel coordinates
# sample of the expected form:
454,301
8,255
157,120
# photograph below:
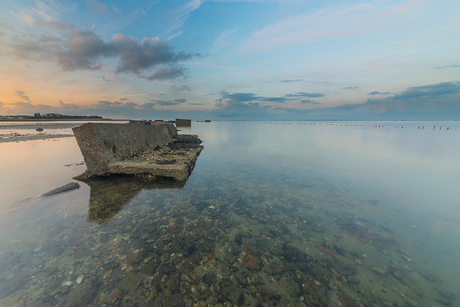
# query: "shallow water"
274,214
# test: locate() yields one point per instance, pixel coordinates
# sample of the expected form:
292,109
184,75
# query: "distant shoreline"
59,120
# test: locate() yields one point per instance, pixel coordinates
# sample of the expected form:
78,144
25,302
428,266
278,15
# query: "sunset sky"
231,60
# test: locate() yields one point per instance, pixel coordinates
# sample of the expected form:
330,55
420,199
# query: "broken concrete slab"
183,122
148,150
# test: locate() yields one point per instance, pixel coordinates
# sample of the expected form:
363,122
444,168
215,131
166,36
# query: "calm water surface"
274,214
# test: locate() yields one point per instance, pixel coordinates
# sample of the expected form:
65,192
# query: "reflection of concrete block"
134,149
109,194
183,122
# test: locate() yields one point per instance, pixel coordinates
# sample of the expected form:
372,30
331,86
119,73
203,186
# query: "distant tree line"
60,116
49,116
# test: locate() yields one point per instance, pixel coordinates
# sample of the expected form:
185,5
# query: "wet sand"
16,137
27,131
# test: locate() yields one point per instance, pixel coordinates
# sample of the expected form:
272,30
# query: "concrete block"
148,150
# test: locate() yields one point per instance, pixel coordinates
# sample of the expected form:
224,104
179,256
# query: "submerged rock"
83,294
381,271
67,187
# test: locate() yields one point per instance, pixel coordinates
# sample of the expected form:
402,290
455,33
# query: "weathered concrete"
138,149
183,122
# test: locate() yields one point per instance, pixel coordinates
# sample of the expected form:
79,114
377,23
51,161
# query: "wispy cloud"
173,102
181,88
174,35
373,93
431,91
182,14
224,40
165,73
22,95
448,66
97,6
291,80
237,99
304,94
304,101
217,66
105,107
47,11
324,24
440,99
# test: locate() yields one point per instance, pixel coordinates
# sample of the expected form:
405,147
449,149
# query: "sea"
275,213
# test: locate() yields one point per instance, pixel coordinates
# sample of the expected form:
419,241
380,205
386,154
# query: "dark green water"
274,214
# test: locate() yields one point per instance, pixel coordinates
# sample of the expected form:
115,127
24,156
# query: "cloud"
122,108
351,87
373,93
190,103
168,102
428,102
22,107
85,50
174,35
97,6
304,94
233,98
431,91
182,14
330,23
22,95
224,41
54,24
46,11
293,80
150,52
1,105
181,88
69,106
240,97
167,73
105,104
435,101
447,66
304,101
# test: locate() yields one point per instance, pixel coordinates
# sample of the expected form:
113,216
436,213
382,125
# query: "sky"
232,59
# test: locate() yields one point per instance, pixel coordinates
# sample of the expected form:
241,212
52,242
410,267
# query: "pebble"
410,301
381,271
79,279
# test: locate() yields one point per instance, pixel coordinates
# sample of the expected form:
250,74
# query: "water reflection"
273,215
110,194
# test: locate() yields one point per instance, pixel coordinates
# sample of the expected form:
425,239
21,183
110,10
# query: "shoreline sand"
7,138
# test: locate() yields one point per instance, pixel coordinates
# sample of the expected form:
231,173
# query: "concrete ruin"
183,122
147,150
